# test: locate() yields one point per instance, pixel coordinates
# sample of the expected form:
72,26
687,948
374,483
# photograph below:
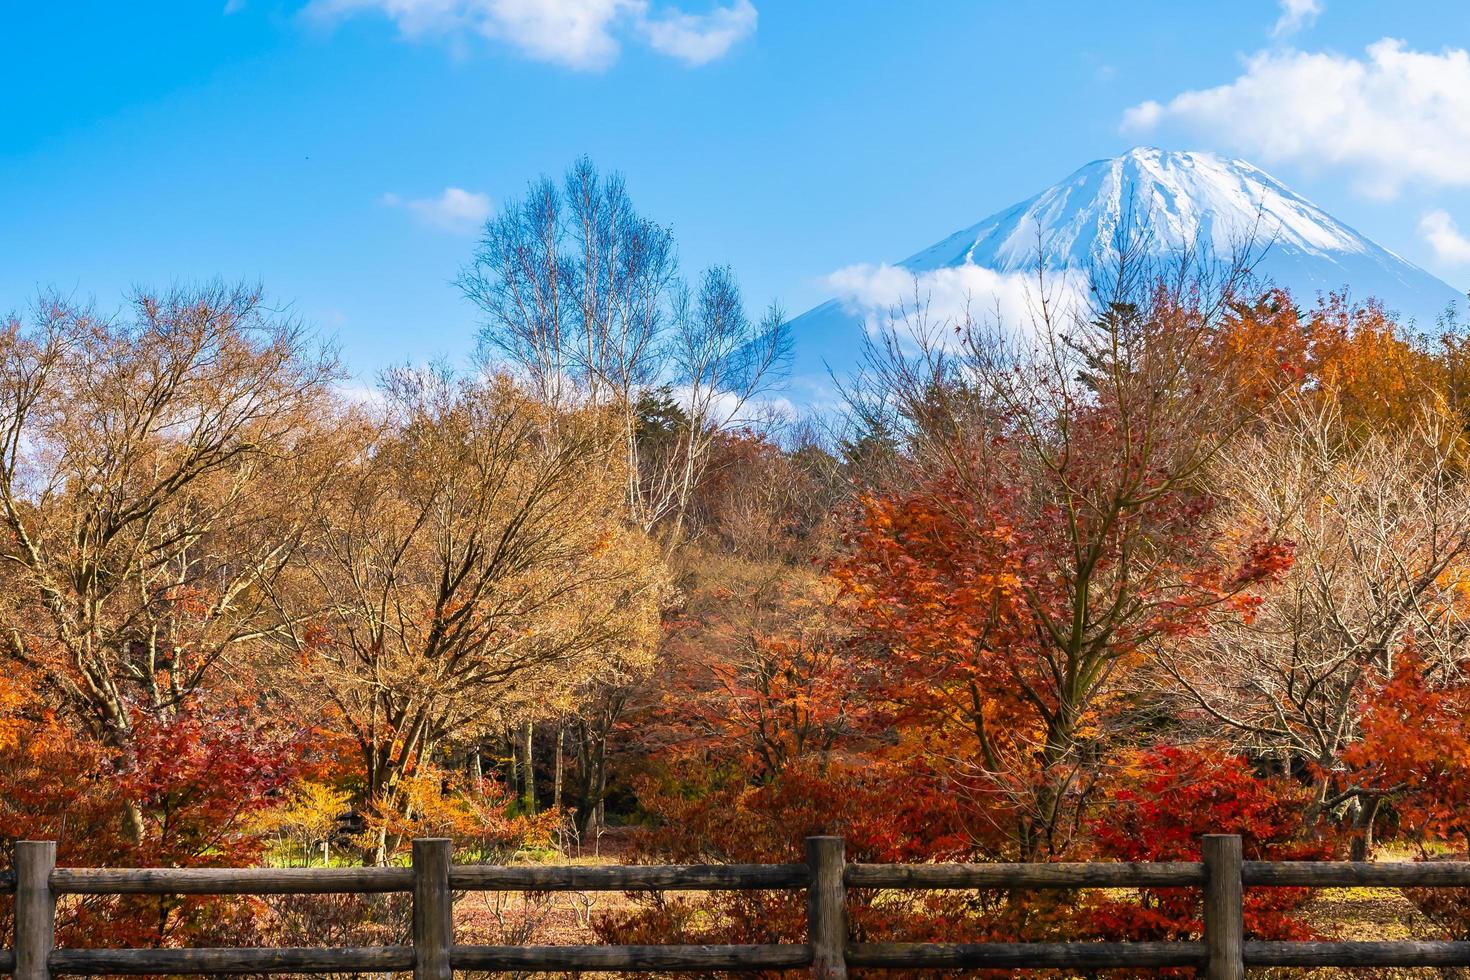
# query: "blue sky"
340,151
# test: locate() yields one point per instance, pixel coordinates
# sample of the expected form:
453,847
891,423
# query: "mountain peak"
1166,200
1173,198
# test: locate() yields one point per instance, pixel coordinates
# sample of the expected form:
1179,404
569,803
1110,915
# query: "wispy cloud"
1296,14
581,34
455,210
1392,117
697,39
1451,246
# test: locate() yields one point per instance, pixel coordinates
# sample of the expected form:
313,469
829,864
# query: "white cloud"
582,34
1145,115
1393,117
455,210
1451,246
891,297
697,39
726,409
361,393
1296,14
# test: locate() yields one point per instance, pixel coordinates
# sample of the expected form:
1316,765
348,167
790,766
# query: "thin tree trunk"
561,737
1362,844
600,820
530,770
515,777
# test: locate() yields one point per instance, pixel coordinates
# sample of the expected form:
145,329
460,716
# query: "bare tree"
1381,527
582,295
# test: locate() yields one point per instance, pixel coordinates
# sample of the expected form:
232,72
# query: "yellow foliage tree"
479,553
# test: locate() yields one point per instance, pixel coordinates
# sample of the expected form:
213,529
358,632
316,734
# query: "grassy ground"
1368,914
560,918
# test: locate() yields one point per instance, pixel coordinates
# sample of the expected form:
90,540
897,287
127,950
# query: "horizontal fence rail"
629,878
1000,956
91,962
1349,874
229,881
1221,952
631,958
1030,876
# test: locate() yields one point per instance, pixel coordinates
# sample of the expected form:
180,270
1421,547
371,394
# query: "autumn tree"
1410,757
1376,374
1048,538
1380,523
158,470
583,300
478,549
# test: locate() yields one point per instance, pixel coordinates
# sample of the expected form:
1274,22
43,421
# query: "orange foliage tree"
197,780
1050,536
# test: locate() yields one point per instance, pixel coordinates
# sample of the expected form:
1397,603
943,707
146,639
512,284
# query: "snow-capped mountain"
1172,200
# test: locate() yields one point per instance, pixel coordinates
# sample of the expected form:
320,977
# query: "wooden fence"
1221,954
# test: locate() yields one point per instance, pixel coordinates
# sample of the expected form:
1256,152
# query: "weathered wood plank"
826,907
263,881
229,881
630,958
1336,874
433,909
1178,874
35,908
1024,955
86,962
1224,901
1405,953
653,877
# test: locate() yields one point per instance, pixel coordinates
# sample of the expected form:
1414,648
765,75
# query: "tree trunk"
561,736
1362,846
586,785
530,770
133,821
515,777
379,849
601,818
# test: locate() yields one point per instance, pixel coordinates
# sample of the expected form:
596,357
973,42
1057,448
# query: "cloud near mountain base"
940,303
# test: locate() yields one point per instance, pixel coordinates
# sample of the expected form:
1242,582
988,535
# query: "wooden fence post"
433,909
1224,907
826,907
35,908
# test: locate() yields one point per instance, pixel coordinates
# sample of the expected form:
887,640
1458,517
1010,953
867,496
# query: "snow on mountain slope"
1170,200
